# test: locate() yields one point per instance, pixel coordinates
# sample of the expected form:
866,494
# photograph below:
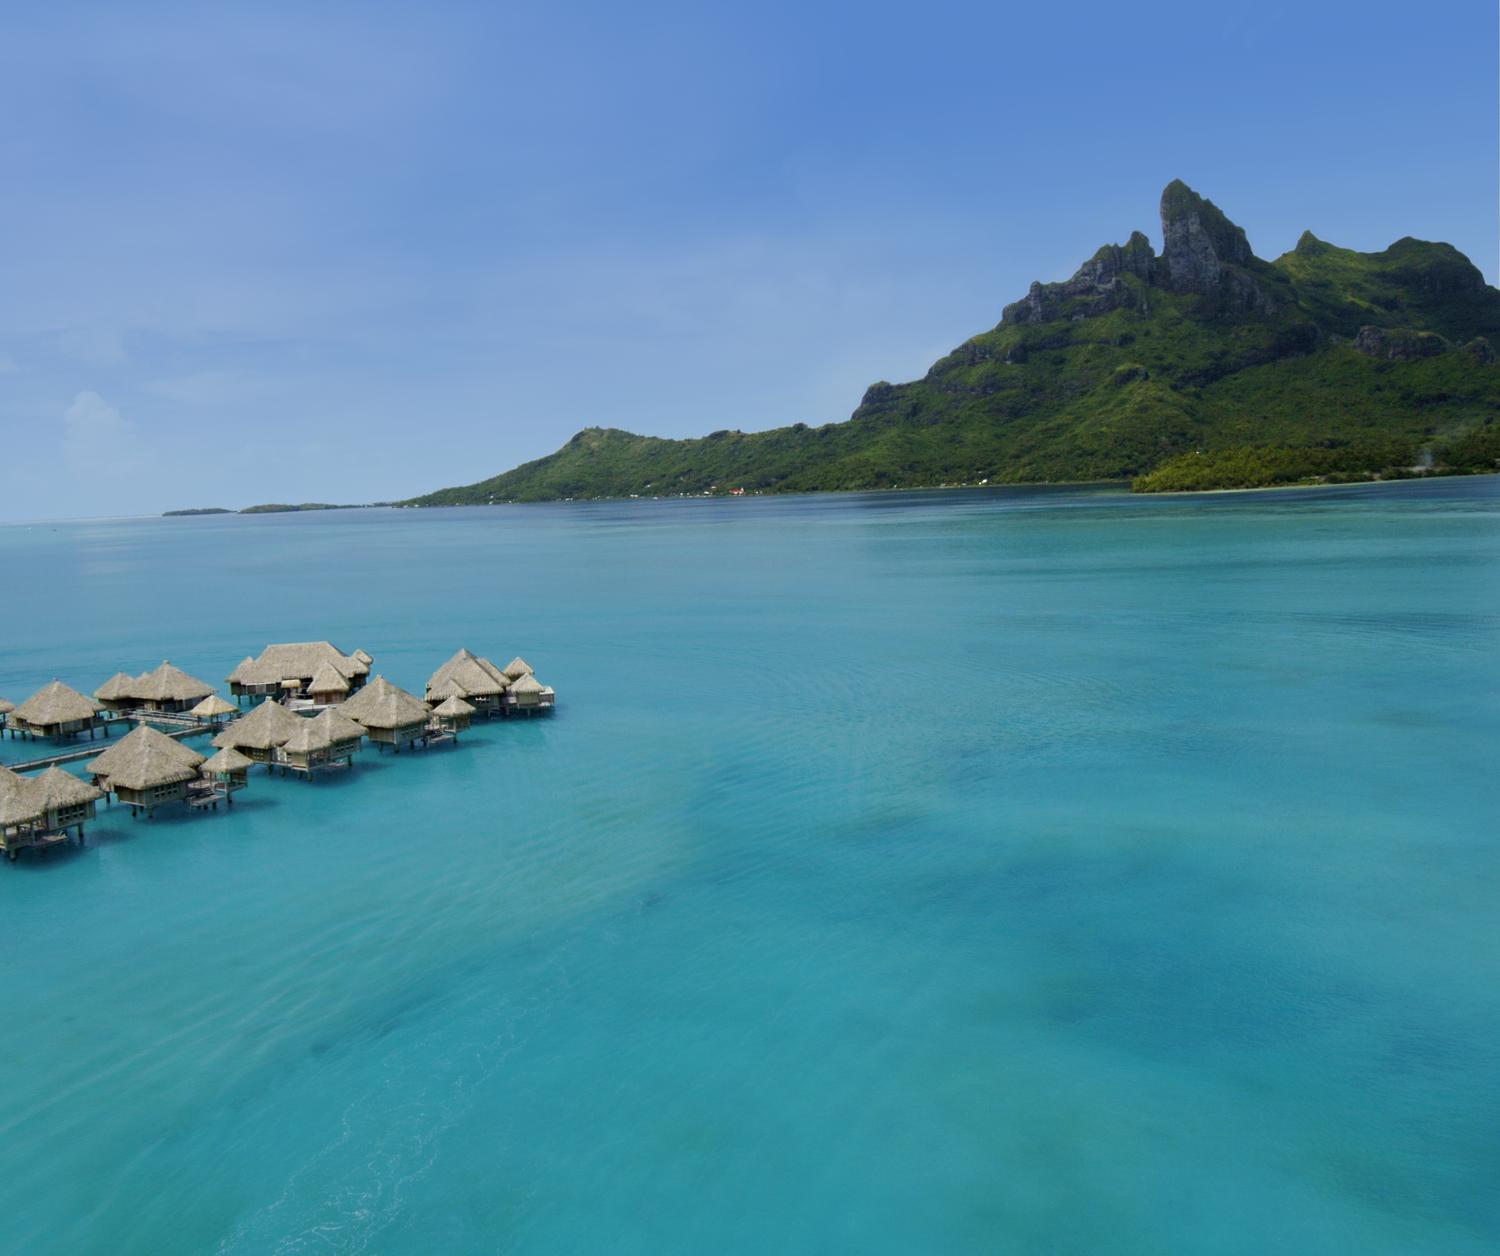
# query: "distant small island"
272,508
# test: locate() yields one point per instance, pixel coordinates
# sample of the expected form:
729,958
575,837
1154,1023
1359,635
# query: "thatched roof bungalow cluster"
165,688
277,737
258,735
490,690
39,811
475,680
327,740
290,669
526,695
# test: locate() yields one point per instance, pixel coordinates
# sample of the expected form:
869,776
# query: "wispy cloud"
99,442
207,388
94,346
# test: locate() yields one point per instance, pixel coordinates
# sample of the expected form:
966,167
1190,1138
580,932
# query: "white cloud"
99,441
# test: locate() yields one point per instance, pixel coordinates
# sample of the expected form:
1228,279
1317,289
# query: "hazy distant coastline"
270,508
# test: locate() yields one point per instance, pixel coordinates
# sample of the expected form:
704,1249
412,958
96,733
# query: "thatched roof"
308,737
527,684
267,725
327,680
20,798
242,671
115,688
127,748
213,705
517,668
453,707
60,789
381,704
466,675
227,760
6,707
56,704
299,659
148,764
340,727
443,687
169,684
364,658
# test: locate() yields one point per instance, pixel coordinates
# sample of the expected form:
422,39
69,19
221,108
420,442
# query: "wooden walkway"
196,728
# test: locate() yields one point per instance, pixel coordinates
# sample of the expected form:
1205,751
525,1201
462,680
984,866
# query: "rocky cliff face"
1398,344
1097,287
1203,253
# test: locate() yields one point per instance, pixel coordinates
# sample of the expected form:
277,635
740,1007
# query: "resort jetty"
287,670
316,707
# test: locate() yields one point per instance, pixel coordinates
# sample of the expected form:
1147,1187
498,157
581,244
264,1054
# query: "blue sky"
295,252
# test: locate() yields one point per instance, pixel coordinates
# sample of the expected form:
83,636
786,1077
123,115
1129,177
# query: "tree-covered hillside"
1141,361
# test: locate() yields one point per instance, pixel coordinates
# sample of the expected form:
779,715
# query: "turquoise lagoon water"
1031,871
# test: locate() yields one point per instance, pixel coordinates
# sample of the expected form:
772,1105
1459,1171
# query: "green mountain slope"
1325,362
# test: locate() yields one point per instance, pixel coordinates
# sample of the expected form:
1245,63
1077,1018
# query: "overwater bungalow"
244,682
213,709
452,715
20,812
258,734
329,740
226,771
128,747
474,679
148,773
55,711
517,668
344,734
528,696
40,812
66,800
5,709
389,715
288,668
168,688
328,687
115,693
